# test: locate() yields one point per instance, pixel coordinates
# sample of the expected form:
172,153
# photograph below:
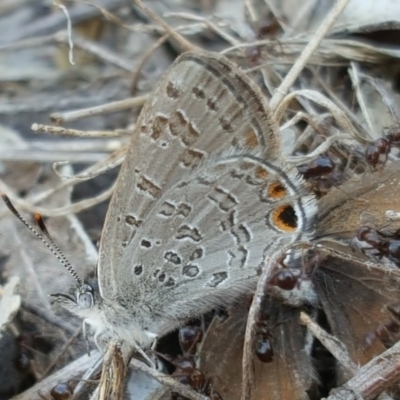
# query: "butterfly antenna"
49,243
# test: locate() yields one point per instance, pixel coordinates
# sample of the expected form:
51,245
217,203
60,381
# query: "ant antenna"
50,244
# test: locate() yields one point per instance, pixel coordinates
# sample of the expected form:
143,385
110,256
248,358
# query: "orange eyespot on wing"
261,173
285,218
276,190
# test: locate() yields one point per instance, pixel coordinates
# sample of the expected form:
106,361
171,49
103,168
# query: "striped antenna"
49,243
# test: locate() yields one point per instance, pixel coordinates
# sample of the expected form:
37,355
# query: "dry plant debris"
331,72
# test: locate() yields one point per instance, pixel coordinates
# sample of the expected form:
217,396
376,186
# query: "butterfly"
202,198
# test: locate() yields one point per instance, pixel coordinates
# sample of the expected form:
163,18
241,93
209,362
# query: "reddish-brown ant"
186,370
386,245
263,346
321,173
382,146
286,278
320,167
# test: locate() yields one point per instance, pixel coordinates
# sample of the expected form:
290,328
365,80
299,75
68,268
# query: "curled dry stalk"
339,115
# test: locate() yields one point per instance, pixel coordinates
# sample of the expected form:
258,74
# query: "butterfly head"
83,300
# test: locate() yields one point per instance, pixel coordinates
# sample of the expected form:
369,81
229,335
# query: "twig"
64,210
62,351
115,106
354,74
111,159
322,148
143,60
247,368
331,343
95,49
379,374
72,371
307,52
339,115
60,130
186,45
167,381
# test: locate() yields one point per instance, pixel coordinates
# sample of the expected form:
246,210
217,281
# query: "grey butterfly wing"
205,241
177,129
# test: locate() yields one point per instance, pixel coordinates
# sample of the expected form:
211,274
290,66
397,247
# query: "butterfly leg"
154,337
85,336
149,361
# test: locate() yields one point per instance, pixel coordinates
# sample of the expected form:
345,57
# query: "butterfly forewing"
203,109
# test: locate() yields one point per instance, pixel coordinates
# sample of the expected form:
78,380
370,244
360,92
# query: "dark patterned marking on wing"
172,91
149,187
186,232
182,128
172,257
217,279
190,270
